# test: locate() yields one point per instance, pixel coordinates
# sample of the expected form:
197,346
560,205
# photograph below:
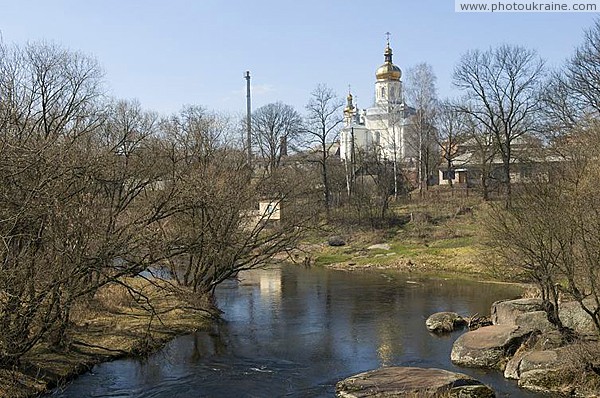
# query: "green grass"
331,258
439,243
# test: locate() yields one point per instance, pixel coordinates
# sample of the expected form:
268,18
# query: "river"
294,332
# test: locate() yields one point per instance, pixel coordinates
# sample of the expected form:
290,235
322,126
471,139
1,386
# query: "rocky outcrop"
528,348
444,322
505,312
409,382
530,313
488,347
532,321
573,316
545,371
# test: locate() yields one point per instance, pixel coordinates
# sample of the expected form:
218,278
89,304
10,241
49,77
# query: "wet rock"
488,347
336,241
409,382
505,312
444,322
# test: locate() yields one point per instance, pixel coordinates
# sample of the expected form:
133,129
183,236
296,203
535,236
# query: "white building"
384,128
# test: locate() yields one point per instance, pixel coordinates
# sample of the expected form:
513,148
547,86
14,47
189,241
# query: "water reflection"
295,332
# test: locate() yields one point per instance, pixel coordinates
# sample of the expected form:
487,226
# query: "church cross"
388,34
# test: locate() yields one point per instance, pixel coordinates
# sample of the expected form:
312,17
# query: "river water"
295,332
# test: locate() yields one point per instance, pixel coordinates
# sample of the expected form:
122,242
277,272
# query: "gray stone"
512,370
336,241
573,316
444,322
408,382
380,246
536,320
548,381
551,371
536,360
488,347
505,312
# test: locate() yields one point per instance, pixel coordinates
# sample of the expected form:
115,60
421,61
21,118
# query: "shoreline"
105,335
119,335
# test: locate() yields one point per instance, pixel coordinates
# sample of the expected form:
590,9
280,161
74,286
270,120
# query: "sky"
171,53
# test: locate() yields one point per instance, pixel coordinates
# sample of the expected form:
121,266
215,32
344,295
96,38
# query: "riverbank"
442,239
116,324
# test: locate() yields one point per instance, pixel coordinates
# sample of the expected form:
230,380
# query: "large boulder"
545,371
512,369
488,347
444,322
505,312
573,316
536,320
410,382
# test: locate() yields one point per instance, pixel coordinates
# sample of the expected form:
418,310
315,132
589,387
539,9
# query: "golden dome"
388,71
350,106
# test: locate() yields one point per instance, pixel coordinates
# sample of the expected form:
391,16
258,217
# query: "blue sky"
170,53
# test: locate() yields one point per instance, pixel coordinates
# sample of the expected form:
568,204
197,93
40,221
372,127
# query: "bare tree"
322,121
215,229
551,232
452,134
421,93
502,89
48,110
275,127
582,73
572,94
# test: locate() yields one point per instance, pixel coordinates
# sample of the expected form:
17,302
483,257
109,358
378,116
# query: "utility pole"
248,119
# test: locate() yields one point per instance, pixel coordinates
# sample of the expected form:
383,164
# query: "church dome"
388,71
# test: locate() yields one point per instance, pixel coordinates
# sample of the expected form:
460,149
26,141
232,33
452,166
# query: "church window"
383,92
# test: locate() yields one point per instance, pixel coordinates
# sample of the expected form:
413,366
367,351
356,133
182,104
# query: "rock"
573,316
336,241
536,320
545,371
536,360
488,347
476,321
380,246
444,322
547,380
552,372
409,382
512,370
505,312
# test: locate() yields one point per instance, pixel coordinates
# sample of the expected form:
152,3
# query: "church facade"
384,129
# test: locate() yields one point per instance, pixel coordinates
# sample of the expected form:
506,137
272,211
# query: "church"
383,129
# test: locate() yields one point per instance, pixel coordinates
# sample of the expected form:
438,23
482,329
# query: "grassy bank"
441,238
113,325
